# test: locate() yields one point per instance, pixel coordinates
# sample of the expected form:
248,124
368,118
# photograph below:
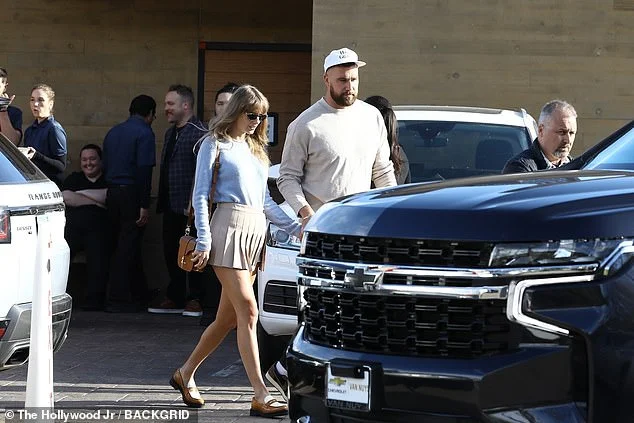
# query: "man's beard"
175,117
342,99
561,152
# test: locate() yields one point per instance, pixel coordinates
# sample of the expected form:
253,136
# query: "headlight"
279,238
555,252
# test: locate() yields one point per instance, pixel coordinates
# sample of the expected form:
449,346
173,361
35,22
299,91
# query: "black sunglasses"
254,116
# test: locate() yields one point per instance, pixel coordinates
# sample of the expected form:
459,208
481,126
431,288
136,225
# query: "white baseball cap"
341,56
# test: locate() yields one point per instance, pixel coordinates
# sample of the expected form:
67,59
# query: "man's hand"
5,102
306,213
144,215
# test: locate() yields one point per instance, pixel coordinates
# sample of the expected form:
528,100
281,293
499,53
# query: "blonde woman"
232,242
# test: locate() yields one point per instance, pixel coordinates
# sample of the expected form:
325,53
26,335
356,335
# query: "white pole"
39,381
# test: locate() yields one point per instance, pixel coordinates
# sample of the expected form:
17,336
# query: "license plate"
348,392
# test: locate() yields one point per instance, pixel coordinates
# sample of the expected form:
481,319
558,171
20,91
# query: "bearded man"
178,165
336,147
557,128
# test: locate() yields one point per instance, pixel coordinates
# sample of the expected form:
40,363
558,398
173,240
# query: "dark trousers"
173,228
127,282
94,241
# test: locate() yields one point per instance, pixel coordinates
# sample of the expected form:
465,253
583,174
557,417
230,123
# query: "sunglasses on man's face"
254,116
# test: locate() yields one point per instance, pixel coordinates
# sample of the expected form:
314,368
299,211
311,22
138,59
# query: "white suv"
441,142
26,194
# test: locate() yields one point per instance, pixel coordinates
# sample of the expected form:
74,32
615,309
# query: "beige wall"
500,53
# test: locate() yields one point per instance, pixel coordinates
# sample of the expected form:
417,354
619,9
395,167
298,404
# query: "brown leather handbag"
187,243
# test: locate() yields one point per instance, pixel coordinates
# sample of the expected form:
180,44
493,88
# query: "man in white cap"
336,147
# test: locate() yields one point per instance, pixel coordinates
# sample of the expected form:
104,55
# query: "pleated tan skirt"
237,236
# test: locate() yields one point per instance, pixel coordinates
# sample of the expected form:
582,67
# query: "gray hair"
556,105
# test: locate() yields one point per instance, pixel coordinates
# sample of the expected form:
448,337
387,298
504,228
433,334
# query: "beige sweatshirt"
331,152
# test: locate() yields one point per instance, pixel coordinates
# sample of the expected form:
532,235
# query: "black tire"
271,348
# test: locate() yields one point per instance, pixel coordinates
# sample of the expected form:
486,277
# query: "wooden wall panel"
283,77
498,53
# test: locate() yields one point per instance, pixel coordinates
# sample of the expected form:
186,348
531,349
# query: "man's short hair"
229,87
91,147
556,105
143,105
184,91
4,73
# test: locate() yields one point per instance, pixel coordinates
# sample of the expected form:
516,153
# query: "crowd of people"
336,147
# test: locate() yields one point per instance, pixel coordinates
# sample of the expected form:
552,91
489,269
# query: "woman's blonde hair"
246,99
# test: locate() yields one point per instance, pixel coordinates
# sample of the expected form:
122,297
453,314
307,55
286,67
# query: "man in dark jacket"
128,157
555,138
178,165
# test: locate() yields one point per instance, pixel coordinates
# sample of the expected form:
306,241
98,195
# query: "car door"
26,196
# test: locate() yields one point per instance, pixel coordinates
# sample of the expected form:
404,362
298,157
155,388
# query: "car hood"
535,206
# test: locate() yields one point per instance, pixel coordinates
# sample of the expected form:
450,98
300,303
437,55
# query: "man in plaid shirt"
178,165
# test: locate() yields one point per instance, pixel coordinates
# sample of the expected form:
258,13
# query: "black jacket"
530,160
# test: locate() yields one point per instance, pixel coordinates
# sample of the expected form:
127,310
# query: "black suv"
493,299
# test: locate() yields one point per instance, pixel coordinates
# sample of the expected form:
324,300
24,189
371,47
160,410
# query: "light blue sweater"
241,179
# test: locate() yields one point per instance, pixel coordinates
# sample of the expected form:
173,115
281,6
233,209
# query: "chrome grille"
407,325
398,251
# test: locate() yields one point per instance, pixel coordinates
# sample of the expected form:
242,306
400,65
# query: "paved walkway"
119,361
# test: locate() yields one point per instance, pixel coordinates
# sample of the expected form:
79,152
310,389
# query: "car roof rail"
466,109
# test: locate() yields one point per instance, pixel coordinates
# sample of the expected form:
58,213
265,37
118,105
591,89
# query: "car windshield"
617,156
446,150
14,166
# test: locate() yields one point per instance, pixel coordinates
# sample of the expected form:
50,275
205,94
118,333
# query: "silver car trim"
369,278
467,273
515,299
625,247
482,293
35,210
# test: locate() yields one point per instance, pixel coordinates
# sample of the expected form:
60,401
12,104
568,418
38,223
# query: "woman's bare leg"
211,337
238,285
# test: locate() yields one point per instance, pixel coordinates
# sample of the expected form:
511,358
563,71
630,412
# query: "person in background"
87,228
397,154
336,147
10,116
556,131
129,156
223,96
233,240
213,290
178,164
45,139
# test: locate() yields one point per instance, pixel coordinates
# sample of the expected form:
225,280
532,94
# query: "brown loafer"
270,408
177,383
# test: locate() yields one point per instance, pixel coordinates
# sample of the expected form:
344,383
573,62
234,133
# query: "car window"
446,150
14,166
617,156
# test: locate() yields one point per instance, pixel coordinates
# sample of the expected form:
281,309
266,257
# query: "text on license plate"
348,392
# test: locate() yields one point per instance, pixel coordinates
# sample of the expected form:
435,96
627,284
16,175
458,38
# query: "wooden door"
282,76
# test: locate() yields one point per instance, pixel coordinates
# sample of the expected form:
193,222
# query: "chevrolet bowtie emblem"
337,381
365,277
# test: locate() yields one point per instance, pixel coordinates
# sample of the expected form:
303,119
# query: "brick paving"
125,361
